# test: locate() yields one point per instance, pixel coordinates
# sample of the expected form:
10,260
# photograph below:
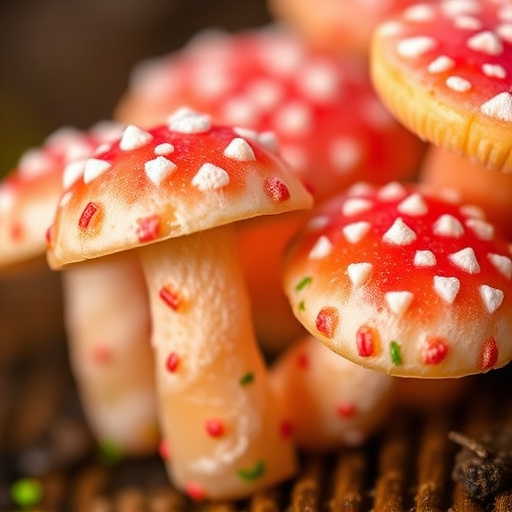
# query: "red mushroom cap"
332,128
168,181
444,70
404,281
30,192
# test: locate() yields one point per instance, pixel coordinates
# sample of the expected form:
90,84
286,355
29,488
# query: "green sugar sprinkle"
303,283
26,492
302,306
247,378
395,353
110,452
251,474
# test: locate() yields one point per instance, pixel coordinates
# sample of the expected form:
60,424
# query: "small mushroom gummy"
404,280
171,195
105,303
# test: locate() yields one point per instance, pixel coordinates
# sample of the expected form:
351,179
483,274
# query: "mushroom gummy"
170,194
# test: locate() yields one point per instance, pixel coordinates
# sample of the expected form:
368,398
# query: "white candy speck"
465,259
210,177
358,273
420,12
269,139
158,169
482,229
66,197
345,153
398,302
491,297
502,264
467,22
94,168
240,110
192,123
473,211
239,149
321,249
505,13
447,288
494,70
499,107
72,172
391,191
6,198
296,156
413,47
453,8
441,64
355,205
390,28
486,42
505,31
356,231
134,137
34,162
413,205
265,93
319,82
294,119
458,84
399,233
448,225
424,258
164,149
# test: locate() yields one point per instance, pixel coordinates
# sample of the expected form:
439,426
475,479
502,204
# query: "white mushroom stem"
219,417
107,321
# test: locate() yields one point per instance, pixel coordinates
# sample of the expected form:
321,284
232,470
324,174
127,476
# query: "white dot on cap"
448,225
164,149
319,82
413,205
424,258
467,22
505,31
321,249
452,8
398,302
345,153
391,191
447,288
491,297
94,168
494,70
420,12
158,169
415,46
134,137
486,42
294,119
502,264
356,231
441,64
482,229
358,273
210,177
296,156
465,259
499,107
355,205
72,172
239,149
458,84
192,123
399,233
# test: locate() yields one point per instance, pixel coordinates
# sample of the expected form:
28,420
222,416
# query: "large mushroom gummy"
444,70
172,192
406,282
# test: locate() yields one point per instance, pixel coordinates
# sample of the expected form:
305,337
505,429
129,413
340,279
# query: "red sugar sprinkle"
49,236
434,351
147,229
195,491
16,232
346,410
172,362
489,354
365,341
214,427
286,429
171,298
101,354
276,190
303,361
327,321
88,213
163,450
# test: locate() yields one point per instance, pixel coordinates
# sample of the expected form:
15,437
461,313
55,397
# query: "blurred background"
67,62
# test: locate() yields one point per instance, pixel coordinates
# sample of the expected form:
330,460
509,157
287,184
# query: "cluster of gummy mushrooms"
283,237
